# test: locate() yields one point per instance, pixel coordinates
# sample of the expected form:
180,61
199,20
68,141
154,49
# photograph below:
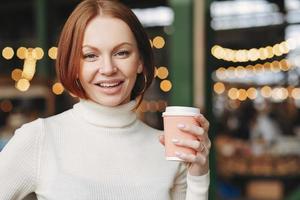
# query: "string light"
16,74
22,53
220,73
52,53
296,93
37,53
284,65
253,54
242,94
252,93
6,106
158,42
276,93
241,71
166,85
266,91
162,72
219,87
233,93
7,53
57,88
22,85
29,64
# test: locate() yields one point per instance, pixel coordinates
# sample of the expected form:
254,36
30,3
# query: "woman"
99,149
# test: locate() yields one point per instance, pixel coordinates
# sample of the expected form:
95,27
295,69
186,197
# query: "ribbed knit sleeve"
188,187
197,187
19,162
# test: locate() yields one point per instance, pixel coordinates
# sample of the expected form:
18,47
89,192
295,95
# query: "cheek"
130,69
86,73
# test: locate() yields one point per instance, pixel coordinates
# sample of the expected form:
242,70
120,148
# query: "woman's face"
110,61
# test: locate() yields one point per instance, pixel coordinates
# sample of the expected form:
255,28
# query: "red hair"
71,39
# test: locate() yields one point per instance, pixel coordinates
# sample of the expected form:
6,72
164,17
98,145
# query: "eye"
90,57
122,53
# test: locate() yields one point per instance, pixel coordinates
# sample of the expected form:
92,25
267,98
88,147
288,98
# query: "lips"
109,84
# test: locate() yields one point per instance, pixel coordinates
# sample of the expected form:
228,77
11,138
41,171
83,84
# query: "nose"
107,66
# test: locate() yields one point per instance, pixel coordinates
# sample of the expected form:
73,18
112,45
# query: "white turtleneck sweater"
91,152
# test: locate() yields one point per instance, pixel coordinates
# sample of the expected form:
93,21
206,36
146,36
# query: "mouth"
110,84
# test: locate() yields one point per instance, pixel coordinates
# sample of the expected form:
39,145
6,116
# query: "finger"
194,144
191,158
208,144
190,128
198,146
206,141
198,132
204,123
162,139
204,150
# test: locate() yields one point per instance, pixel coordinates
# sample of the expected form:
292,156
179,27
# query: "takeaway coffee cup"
173,116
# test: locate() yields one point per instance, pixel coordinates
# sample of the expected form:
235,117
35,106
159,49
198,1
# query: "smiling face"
110,61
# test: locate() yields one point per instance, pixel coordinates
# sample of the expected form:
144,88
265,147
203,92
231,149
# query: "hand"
198,164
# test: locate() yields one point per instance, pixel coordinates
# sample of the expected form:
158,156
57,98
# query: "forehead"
105,31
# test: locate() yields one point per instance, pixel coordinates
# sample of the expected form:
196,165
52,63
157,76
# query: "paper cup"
173,116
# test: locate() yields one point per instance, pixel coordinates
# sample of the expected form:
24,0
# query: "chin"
111,102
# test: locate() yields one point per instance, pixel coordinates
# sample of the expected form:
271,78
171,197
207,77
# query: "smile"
109,85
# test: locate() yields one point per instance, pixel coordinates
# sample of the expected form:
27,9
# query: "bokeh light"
7,53
16,74
38,53
57,88
219,88
266,91
52,53
166,85
6,106
159,42
22,52
162,72
23,85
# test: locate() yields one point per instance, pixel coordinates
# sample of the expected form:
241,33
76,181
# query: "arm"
188,187
19,163
197,187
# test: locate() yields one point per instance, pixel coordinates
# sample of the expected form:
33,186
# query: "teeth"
108,84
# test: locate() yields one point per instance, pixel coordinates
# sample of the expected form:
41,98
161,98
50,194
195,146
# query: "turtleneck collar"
110,117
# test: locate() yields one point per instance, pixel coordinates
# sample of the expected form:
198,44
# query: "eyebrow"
95,48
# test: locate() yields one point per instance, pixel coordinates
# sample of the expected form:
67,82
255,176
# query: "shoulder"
26,139
58,119
39,125
30,127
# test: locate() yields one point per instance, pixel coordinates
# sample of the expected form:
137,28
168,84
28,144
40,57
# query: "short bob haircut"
71,39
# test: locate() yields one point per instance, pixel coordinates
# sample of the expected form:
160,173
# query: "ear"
140,68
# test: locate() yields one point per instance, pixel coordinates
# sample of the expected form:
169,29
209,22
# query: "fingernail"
174,140
177,153
180,125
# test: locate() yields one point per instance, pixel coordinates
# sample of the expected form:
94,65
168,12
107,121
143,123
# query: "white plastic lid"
181,110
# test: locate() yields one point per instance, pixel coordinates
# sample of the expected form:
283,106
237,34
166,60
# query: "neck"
112,117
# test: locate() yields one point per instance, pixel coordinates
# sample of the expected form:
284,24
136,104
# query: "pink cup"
173,116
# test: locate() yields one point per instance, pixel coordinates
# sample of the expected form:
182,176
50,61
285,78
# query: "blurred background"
237,60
